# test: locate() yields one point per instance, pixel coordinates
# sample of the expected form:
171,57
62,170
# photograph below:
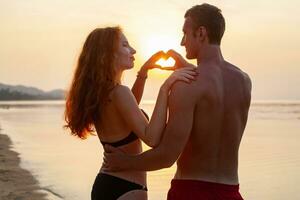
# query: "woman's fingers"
190,72
189,68
155,57
169,68
151,62
189,76
185,76
184,79
156,66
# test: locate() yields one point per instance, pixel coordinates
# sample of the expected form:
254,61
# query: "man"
206,121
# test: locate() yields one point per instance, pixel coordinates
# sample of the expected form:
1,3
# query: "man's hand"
180,62
114,159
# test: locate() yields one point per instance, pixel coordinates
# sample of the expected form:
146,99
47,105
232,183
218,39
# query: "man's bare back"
220,116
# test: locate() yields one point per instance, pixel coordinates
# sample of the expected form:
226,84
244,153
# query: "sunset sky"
41,39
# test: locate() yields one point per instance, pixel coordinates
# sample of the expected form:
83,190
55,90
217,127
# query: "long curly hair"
93,79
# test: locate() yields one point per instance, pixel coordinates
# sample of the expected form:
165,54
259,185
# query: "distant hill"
20,92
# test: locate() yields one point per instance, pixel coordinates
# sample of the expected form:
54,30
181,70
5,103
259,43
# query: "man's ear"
201,33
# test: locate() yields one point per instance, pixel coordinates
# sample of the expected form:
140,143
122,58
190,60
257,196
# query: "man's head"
204,24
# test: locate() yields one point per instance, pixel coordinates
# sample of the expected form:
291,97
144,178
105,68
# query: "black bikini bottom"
107,187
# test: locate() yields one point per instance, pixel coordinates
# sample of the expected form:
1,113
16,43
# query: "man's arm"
178,129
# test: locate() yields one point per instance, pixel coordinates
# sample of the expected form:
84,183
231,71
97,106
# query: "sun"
155,43
166,63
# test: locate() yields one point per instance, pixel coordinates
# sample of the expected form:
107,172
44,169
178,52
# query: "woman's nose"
133,51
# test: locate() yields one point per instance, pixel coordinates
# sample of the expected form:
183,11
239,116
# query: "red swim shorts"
201,190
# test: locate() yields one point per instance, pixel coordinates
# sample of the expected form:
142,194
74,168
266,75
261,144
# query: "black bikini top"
130,138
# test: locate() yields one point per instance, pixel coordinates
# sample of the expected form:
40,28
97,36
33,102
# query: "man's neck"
210,53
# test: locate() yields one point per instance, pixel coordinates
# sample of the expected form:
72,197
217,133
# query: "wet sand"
15,182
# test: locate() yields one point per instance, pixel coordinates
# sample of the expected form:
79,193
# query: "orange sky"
40,40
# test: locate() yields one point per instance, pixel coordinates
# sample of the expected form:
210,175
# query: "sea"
65,166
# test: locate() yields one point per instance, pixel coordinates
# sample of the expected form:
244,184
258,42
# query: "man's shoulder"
185,93
239,72
237,69
180,89
244,79
184,88
182,97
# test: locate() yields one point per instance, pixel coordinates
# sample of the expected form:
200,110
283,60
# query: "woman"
97,100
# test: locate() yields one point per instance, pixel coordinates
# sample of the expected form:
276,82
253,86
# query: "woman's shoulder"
120,89
121,92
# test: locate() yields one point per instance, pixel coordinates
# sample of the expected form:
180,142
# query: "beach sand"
15,182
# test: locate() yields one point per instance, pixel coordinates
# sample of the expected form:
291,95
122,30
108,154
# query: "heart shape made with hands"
166,62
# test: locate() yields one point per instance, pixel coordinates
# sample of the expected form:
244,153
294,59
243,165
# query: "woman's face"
124,55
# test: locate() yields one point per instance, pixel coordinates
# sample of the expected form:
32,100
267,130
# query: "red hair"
94,77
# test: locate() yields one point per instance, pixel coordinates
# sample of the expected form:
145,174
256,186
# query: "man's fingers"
172,53
106,149
105,159
110,149
106,168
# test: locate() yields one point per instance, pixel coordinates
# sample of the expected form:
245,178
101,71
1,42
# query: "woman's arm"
148,131
139,84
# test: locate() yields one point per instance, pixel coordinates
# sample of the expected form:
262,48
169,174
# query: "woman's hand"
151,62
186,74
180,62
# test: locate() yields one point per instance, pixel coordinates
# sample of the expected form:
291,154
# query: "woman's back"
112,126
113,129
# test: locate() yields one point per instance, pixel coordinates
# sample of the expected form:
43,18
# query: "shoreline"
16,182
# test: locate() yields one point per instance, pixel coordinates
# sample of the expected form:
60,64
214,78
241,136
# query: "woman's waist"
138,177
133,176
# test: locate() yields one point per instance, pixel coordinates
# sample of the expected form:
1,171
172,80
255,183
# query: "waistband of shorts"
197,184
